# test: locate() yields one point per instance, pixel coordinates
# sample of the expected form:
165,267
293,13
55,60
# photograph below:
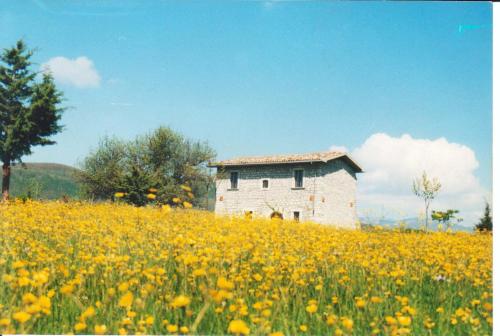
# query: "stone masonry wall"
328,196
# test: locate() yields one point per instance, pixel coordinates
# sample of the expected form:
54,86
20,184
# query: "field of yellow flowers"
110,268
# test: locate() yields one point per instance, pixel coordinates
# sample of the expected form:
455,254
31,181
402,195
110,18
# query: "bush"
153,168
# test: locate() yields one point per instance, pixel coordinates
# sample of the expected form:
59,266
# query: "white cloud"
79,72
335,148
391,164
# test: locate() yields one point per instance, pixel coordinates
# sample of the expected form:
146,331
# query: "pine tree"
486,222
29,109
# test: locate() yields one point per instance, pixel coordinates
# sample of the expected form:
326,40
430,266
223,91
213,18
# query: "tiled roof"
284,159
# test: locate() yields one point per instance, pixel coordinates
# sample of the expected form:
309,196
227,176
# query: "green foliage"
44,181
486,222
163,160
29,109
446,217
426,189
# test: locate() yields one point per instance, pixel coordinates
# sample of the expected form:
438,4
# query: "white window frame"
237,180
303,178
262,183
300,215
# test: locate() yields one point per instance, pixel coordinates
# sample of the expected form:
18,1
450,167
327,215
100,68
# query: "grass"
160,271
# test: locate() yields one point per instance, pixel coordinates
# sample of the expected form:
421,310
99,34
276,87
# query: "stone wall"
328,195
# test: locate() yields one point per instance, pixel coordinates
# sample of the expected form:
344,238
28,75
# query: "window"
296,216
299,178
234,180
265,184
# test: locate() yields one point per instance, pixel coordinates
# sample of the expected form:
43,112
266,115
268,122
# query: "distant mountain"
412,223
44,180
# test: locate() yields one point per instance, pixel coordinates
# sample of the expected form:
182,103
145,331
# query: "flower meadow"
117,269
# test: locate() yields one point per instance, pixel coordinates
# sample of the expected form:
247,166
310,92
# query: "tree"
29,109
427,190
446,217
486,222
163,161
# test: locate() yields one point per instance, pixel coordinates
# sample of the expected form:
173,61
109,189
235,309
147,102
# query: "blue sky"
254,77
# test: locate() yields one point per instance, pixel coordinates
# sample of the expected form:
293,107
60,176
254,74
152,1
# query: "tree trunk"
5,180
426,216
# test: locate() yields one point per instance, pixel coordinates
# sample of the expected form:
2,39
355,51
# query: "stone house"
319,187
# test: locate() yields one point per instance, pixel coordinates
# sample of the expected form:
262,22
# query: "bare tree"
426,189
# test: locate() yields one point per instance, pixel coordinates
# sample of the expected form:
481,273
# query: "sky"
402,86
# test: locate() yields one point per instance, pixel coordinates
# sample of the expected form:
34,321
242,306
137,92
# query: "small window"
234,180
296,216
299,178
265,184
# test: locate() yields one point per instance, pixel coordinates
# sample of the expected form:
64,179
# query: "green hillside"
43,180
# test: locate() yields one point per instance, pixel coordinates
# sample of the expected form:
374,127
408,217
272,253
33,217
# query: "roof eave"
221,164
353,163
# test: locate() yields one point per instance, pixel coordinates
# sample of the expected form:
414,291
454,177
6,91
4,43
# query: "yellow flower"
67,289
180,301
151,196
166,208
185,188
223,283
150,320
199,272
428,324
119,194
100,329
21,317
172,328
121,287
360,303
331,319
276,333
80,326
126,300
303,328
89,312
347,323
29,298
440,310
312,308
184,329
40,278
238,327
18,264
390,320
33,309
405,321
152,190
187,205
4,322
176,200
257,277
488,306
